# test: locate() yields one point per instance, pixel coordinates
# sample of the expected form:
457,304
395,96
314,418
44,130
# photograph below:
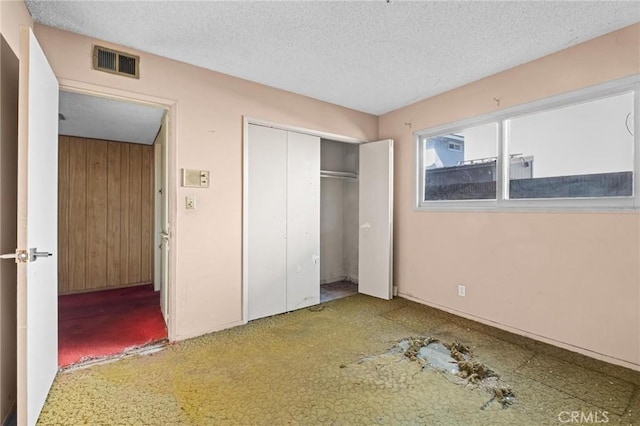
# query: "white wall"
331,231
350,214
338,214
480,141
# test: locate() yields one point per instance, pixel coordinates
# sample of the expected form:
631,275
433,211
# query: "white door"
303,220
161,273
266,207
37,228
375,245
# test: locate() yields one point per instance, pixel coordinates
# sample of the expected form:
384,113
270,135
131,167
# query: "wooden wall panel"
135,212
114,212
105,214
63,211
96,215
146,227
77,215
124,213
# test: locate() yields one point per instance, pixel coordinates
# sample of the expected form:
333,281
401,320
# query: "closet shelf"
338,175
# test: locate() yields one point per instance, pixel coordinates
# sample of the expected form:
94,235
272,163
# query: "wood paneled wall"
105,214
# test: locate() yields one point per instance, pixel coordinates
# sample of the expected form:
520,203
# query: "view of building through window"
578,151
583,150
461,165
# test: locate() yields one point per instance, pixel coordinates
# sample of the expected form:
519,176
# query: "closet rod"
341,175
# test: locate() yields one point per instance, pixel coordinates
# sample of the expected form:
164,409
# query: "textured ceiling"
372,56
109,119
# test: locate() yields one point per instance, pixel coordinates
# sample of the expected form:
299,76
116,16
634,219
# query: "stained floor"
335,366
106,323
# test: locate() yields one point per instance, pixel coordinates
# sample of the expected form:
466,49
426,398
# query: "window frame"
501,203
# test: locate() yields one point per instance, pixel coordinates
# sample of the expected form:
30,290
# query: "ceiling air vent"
115,62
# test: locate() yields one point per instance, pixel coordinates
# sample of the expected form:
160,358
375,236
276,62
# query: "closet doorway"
318,209
111,218
339,188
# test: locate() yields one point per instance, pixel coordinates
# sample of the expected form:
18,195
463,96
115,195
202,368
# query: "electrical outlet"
462,290
191,202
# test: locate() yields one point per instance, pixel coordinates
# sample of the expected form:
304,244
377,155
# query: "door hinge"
25,256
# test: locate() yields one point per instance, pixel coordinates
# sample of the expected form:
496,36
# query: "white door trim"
245,187
171,107
303,130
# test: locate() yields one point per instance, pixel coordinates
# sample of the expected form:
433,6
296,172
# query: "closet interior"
338,218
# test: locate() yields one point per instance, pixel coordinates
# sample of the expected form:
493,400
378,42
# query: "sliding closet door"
303,221
266,222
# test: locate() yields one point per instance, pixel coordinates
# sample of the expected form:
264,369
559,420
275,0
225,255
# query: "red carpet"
103,323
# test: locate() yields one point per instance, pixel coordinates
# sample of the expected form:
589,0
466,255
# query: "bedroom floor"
337,290
343,365
106,323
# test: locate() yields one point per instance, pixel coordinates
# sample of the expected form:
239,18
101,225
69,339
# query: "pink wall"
13,14
571,279
208,125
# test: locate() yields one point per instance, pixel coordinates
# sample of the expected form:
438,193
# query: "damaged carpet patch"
454,360
457,361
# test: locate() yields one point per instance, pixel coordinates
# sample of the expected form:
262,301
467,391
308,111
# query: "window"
571,151
465,173
455,146
577,151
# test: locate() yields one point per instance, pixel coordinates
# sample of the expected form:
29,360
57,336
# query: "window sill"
613,205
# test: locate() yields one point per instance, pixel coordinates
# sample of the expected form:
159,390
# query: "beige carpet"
334,366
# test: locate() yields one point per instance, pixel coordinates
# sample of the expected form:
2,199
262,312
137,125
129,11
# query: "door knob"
24,256
40,254
20,256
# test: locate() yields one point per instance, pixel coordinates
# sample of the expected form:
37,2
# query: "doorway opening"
112,215
338,219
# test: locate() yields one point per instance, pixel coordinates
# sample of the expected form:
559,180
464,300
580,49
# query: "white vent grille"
115,62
